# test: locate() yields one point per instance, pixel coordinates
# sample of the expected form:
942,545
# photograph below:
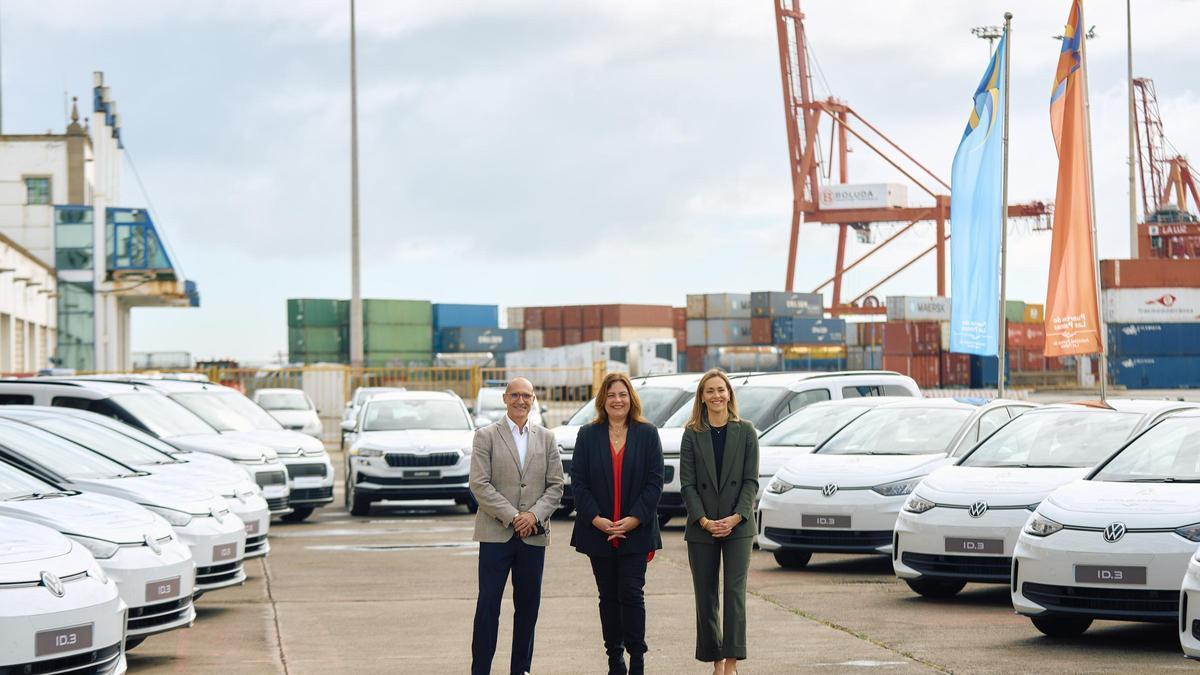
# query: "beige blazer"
503,488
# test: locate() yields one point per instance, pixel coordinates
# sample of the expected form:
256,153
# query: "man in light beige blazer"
517,480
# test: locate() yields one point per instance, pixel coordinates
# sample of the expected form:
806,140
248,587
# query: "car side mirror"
348,425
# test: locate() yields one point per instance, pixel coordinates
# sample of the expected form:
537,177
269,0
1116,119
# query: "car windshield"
213,411
59,455
810,425
16,483
104,441
134,433
1168,452
584,415
415,413
659,402
756,404
162,416
283,400
364,393
898,431
1055,439
251,411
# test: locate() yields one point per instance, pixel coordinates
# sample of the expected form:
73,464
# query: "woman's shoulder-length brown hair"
699,419
635,403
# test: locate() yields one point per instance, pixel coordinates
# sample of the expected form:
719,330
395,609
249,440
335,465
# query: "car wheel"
792,559
131,642
663,519
935,588
298,514
1060,626
359,505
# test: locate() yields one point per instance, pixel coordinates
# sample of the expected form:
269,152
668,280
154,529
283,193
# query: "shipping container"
397,359
697,333
446,315
1026,336
1035,313
679,318
495,340
720,332
917,308
534,338
534,318
644,316
1154,339
1026,361
912,337
695,306
808,331
317,313
308,358
863,196
162,360
727,306
592,334
761,331
572,336
411,312
551,338
1150,273
551,318
743,359
924,369
775,304
1014,311
864,358
567,369
592,316
515,317
694,359
330,340
1155,372
985,371
572,316
956,370
806,351
395,337
1152,305
814,365
870,334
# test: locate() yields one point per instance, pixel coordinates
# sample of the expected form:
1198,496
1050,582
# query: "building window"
76,326
37,190
73,237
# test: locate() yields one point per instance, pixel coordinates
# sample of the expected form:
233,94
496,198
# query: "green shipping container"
397,311
397,359
318,357
317,313
1014,311
397,338
317,340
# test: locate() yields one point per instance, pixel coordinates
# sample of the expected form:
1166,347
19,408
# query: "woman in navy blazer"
617,478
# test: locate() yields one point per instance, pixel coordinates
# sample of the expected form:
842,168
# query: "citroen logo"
830,489
53,584
1114,532
153,544
977,509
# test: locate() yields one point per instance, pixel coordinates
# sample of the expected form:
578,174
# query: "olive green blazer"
711,496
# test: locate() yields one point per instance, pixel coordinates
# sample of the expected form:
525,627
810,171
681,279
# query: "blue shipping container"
795,331
495,340
815,365
1154,339
1155,372
465,316
984,371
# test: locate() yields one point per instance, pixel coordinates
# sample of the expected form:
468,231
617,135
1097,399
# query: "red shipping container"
572,317
912,337
591,334
679,318
552,337
642,316
551,318
572,336
760,330
533,318
956,370
1150,273
925,370
591,315
870,334
695,359
1022,336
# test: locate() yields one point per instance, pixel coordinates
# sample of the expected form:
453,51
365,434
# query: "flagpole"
1001,361
1087,125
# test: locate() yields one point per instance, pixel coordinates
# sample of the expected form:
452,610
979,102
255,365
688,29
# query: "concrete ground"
395,592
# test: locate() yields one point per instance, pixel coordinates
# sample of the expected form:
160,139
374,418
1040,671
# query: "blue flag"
976,219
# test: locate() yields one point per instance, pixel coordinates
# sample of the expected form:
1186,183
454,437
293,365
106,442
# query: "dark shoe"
637,664
616,663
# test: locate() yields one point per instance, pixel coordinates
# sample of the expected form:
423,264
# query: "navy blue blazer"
641,487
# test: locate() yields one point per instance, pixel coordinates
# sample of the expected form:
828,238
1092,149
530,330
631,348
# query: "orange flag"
1072,314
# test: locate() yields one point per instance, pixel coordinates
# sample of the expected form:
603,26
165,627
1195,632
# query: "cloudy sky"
525,152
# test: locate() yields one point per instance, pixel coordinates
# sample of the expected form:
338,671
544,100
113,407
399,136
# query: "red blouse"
618,456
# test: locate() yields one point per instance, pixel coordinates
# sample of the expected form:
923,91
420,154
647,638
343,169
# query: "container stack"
546,327
716,321
794,323
914,349
397,332
864,345
679,326
317,330
473,329
1152,307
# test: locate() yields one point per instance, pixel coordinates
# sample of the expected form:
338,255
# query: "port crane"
1170,229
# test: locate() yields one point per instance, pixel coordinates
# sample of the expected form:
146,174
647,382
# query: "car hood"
566,434
857,470
90,515
1098,503
213,478
293,417
26,542
771,458
224,446
211,463
671,440
154,490
998,486
417,439
284,442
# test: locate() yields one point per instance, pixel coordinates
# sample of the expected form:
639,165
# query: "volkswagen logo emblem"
1114,532
153,544
977,509
830,489
53,584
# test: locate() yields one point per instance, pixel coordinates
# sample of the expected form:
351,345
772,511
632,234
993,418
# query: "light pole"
356,327
1133,225
989,33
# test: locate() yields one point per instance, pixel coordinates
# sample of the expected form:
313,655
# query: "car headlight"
1189,532
172,516
918,504
900,487
1041,526
367,452
778,486
100,549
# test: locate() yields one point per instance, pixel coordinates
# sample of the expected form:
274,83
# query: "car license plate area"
974,545
252,528
824,521
423,473
165,589
222,552
62,640
1109,574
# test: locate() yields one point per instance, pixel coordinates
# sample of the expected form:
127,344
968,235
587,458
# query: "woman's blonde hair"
635,403
699,418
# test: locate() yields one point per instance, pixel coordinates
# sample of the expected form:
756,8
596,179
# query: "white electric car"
292,408
1116,544
216,537
845,496
153,569
59,611
962,523
92,431
1189,609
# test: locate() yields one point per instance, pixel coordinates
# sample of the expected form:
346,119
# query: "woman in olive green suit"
718,470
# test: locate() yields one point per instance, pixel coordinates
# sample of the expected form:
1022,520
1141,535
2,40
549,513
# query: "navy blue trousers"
495,562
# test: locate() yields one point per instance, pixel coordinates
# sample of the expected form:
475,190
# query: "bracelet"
704,522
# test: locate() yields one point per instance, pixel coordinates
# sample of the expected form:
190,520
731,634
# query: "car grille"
96,662
266,478
1128,603
215,574
149,616
435,459
310,494
277,504
391,480
849,541
255,544
304,470
975,568
1196,628
668,474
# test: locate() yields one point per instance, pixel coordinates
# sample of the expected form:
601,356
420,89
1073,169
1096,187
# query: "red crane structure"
804,115
1169,228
